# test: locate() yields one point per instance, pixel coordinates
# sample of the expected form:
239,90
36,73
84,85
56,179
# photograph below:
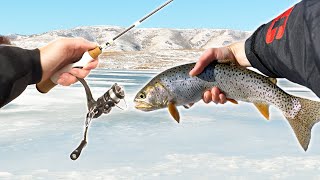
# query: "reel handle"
76,153
47,85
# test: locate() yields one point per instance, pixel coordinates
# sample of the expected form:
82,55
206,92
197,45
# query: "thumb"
84,44
206,58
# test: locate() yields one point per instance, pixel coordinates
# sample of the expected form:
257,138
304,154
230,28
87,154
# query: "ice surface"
38,133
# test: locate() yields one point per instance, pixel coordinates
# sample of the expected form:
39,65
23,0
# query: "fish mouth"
143,106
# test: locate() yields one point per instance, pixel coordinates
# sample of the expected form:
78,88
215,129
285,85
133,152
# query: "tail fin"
302,123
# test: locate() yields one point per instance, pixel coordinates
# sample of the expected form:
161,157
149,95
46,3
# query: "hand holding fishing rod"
47,84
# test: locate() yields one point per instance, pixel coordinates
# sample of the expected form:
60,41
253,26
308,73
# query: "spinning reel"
96,108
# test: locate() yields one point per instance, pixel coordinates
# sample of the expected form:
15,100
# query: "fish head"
152,97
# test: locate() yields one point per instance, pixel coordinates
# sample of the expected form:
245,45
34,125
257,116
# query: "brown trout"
175,87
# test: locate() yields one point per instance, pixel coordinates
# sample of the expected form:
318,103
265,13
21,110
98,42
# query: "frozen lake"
38,133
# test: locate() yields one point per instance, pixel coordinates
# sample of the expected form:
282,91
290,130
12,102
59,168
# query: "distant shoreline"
147,60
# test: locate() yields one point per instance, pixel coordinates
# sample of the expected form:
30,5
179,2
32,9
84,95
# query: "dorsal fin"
263,109
174,111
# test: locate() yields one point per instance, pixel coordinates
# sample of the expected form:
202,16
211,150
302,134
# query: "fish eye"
142,95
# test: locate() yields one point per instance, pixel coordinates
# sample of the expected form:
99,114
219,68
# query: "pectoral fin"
174,111
263,109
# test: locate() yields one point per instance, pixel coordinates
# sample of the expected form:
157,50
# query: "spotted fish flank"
174,87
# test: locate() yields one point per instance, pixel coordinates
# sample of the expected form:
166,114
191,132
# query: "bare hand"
234,53
62,52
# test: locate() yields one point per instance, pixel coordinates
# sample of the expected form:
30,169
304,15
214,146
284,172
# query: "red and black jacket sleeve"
289,46
18,69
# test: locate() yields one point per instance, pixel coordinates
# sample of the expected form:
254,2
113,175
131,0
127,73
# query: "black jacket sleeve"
289,46
18,69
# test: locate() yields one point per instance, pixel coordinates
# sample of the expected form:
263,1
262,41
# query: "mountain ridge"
141,48
139,39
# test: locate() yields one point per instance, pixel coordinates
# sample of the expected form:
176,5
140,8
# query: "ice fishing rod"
47,85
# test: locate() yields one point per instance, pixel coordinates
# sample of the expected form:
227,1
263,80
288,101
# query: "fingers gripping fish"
174,87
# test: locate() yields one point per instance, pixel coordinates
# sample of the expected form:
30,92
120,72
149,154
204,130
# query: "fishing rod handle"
47,85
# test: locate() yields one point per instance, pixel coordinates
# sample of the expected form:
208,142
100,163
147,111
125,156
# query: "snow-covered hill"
139,39
152,48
